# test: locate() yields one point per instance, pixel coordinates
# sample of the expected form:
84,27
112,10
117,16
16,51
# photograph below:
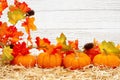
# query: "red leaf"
20,49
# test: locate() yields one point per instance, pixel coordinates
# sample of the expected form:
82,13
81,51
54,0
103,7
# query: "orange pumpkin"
47,60
110,60
25,60
76,60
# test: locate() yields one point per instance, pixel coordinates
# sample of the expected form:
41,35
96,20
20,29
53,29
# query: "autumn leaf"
13,35
3,32
22,6
73,44
15,16
17,11
42,44
3,29
61,41
29,24
7,53
20,49
109,47
55,49
9,33
3,5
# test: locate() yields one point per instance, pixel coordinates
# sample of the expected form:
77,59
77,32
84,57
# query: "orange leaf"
13,33
29,24
3,32
3,5
22,6
3,28
9,33
12,8
42,44
73,44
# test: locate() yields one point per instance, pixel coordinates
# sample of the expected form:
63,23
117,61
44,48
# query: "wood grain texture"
75,13
83,35
73,4
78,19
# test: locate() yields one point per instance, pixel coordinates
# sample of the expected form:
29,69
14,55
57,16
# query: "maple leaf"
7,54
54,49
20,49
3,29
22,6
3,5
12,8
3,32
13,35
109,47
42,44
15,16
9,34
61,41
29,24
118,46
73,44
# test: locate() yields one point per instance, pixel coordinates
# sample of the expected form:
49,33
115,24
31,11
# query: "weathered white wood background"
78,19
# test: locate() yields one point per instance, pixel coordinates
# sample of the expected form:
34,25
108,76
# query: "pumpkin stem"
95,42
1,45
76,52
105,51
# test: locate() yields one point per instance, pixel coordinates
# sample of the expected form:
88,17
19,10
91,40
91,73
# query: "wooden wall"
78,19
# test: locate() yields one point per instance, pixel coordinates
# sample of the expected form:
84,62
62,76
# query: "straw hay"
9,72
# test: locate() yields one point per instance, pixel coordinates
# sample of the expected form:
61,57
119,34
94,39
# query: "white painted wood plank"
78,19
83,35
73,4
86,18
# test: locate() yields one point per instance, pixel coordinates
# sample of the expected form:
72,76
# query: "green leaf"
109,47
7,53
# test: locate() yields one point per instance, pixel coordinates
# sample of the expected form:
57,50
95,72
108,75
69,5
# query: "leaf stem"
1,45
105,51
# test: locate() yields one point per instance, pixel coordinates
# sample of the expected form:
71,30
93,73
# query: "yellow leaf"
29,24
61,39
7,53
15,16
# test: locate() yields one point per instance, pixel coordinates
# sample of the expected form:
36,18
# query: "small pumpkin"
49,60
110,60
76,60
25,60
